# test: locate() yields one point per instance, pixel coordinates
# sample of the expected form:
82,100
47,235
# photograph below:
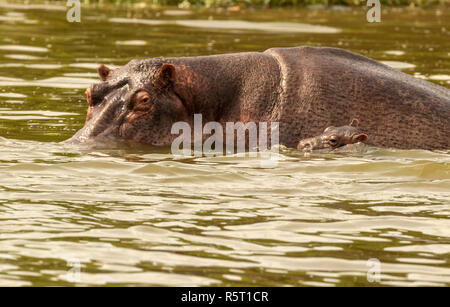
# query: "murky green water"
141,217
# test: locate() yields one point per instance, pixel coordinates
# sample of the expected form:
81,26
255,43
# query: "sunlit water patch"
285,27
31,6
15,17
131,43
22,57
202,219
177,12
395,52
23,48
57,82
12,95
398,65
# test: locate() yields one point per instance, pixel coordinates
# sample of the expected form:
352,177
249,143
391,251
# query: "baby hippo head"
334,137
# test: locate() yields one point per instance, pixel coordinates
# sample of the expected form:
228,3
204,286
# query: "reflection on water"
62,82
283,27
143,217
23,48
398,65
132,43
138,217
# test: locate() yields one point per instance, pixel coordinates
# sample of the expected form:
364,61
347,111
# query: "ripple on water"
55,82
398,65
27,115
16,18
33,66
131,43
177,12
395,52
19,6
286,27
23,48
440,77
12,95
93,66
152,219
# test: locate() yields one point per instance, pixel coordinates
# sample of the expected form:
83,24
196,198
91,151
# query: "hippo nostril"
305,147
96,92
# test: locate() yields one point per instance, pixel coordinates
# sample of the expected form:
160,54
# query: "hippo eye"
140,101
332,140
142,97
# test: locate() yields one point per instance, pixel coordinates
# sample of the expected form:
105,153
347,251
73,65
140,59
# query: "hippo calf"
302,88
334,137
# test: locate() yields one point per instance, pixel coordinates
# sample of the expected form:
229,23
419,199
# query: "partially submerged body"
302,88
334,137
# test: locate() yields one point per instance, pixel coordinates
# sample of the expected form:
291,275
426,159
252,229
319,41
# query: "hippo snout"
309,144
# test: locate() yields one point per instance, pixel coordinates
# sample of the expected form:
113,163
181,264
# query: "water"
139,216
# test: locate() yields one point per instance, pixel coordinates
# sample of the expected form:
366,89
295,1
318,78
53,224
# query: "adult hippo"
302,88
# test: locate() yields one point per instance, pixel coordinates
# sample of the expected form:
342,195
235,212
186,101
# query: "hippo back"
327,86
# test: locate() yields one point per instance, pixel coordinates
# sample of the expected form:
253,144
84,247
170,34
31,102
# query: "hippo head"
135,102
334,137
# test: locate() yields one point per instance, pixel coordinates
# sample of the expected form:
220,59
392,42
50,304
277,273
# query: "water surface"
140,216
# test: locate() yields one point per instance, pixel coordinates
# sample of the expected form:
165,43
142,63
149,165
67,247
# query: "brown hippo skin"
303,88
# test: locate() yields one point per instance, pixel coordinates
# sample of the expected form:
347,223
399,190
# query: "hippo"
302,88
334,137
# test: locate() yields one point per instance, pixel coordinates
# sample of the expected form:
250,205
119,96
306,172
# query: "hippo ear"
329,128
354,123
360,138
164,76
103,72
